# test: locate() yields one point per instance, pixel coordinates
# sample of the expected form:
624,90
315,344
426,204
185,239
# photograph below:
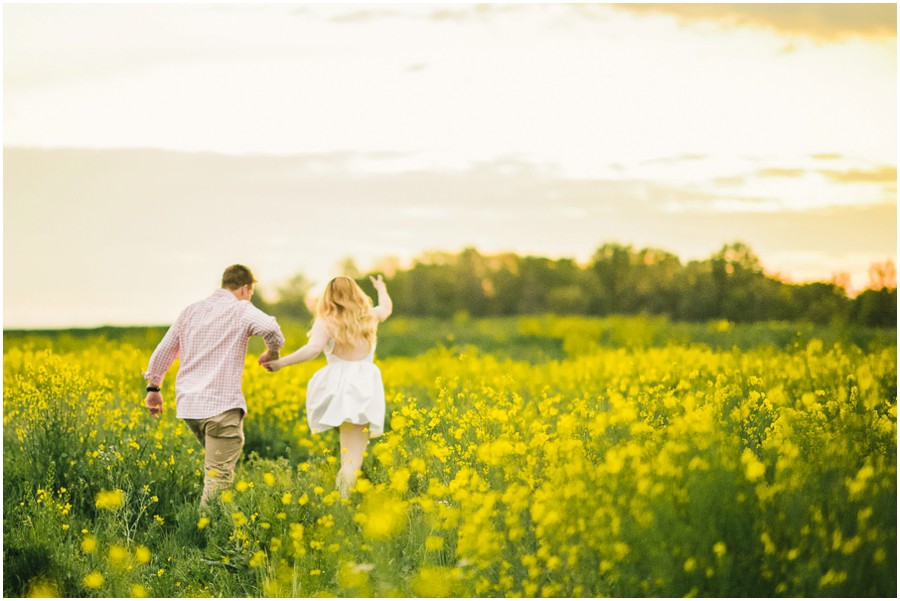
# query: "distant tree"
655,281
738,274
568,288
347,266
820,302
425,289
731,284
841,279
877,306
259,300
611,264
470,273
633,281
698,298
536,275
292,298
505,285
883,276
567,300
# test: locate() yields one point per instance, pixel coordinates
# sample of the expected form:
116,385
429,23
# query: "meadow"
531,456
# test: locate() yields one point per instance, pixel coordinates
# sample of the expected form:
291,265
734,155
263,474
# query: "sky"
148,146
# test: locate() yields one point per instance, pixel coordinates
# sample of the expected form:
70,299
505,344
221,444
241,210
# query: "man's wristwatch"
153,389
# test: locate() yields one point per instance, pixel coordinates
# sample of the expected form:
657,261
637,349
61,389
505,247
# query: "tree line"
618,279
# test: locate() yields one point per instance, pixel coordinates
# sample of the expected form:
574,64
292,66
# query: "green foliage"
621,280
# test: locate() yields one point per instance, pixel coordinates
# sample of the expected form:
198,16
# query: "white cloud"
821,21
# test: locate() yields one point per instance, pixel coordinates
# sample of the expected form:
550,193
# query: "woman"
348,392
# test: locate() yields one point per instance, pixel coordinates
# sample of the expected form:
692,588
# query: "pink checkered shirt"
211,338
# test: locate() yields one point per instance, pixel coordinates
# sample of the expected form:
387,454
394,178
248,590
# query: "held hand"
267,357
272,365
379,284
154,403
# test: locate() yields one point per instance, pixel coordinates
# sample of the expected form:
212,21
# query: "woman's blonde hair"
346,309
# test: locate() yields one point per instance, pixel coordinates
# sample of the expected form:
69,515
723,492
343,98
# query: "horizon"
426,258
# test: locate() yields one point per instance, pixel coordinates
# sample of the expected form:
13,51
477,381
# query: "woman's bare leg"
354,439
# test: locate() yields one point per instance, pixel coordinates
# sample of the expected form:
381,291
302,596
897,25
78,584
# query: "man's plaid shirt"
210,337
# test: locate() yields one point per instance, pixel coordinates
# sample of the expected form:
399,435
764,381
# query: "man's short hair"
237,276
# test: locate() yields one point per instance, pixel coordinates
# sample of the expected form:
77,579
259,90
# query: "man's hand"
154,403
267,356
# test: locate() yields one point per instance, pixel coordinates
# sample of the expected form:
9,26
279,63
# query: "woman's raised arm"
385,305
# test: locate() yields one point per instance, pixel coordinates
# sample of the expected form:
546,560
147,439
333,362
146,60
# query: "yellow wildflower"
142,554
111,500
139,591
433,581
43,589
754,469
353,576
94,580
118,555
382,516
258,559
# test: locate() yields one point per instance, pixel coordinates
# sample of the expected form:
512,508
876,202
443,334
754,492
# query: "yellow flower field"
642,469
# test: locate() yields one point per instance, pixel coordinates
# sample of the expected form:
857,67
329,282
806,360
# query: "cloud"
675,159
776,172
880,175
728,181
884,174
361,16
448,13
824,22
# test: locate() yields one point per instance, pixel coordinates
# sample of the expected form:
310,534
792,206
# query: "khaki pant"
222,436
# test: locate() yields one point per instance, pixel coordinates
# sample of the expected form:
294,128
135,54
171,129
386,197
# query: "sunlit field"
522,457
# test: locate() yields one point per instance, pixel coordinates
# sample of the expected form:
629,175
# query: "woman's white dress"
346,391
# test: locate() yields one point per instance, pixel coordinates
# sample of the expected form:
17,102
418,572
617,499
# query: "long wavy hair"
345,307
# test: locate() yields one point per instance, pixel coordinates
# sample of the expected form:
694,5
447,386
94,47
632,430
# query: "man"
210,337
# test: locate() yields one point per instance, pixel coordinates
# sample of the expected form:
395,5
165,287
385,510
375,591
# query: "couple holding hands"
210,339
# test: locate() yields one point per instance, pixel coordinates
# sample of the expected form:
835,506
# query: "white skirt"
346,391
